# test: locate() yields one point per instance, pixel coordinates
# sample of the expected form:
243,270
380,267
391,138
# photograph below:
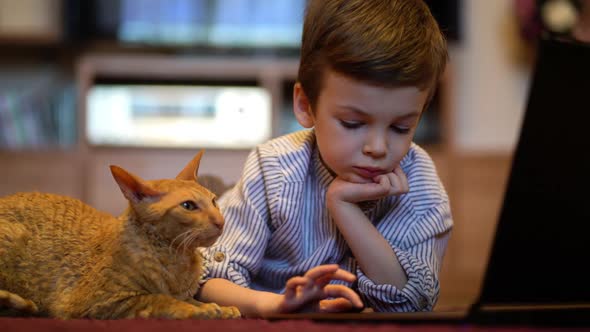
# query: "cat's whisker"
172,244
193,236
182,235
187,241
174,240
180,245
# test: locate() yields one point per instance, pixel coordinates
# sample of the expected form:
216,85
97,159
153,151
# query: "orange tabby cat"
62,258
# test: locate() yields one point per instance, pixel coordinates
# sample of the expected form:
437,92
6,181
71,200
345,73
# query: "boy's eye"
351,124
189,205
400,130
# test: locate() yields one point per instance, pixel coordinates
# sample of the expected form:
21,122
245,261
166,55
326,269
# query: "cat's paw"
214,311
230,312
13,301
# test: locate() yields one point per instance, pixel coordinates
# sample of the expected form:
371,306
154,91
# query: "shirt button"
219,256
422,302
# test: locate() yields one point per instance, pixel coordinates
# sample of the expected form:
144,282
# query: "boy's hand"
312,292
394,183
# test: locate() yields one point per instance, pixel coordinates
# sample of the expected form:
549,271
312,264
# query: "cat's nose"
217,221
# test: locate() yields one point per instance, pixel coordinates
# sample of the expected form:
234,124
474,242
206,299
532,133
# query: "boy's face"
361,130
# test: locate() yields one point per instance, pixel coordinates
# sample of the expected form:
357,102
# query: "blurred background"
145,84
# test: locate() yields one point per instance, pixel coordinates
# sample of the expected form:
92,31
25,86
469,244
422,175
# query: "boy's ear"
302,107
133,187
190,171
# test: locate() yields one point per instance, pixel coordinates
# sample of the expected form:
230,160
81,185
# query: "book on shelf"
37,110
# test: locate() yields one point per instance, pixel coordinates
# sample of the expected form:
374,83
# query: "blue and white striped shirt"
278,226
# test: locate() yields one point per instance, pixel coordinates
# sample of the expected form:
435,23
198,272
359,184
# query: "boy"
351,204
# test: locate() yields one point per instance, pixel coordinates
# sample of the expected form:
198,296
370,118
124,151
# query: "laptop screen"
542,242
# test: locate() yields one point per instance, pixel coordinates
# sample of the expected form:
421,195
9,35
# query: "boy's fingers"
388,181
324,280
403,178
325,273
321,270
309,285
335,305
382,180
398,182
396,185
374,190
340,274
296,281
344,292
399,171
344,276
292,284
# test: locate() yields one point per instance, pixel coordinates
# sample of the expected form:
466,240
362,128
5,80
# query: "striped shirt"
278,226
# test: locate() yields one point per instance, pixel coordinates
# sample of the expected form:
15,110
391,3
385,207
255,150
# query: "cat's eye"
189,205
214,201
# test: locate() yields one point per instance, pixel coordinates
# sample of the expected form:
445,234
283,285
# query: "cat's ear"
191,169
133,187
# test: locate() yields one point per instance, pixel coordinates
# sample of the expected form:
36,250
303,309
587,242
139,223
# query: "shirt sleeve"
238,252
420,254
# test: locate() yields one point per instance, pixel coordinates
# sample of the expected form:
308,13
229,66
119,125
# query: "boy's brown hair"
382,42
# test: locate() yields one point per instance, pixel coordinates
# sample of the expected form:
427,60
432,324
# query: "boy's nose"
376,145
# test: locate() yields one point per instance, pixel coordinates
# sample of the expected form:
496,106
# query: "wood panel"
48,171
478,184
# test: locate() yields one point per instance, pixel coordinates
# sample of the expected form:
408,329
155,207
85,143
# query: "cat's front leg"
226,312
164,306
10,301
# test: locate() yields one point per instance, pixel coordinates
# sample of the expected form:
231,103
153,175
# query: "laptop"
536,269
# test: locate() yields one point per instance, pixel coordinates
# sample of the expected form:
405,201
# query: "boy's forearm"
373,253
251,303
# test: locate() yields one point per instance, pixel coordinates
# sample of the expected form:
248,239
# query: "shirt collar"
323,174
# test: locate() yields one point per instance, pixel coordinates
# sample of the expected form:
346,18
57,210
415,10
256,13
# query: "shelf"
181,67
29,40
268,73
81,169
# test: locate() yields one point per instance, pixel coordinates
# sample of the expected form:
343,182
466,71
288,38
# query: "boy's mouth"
368,172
